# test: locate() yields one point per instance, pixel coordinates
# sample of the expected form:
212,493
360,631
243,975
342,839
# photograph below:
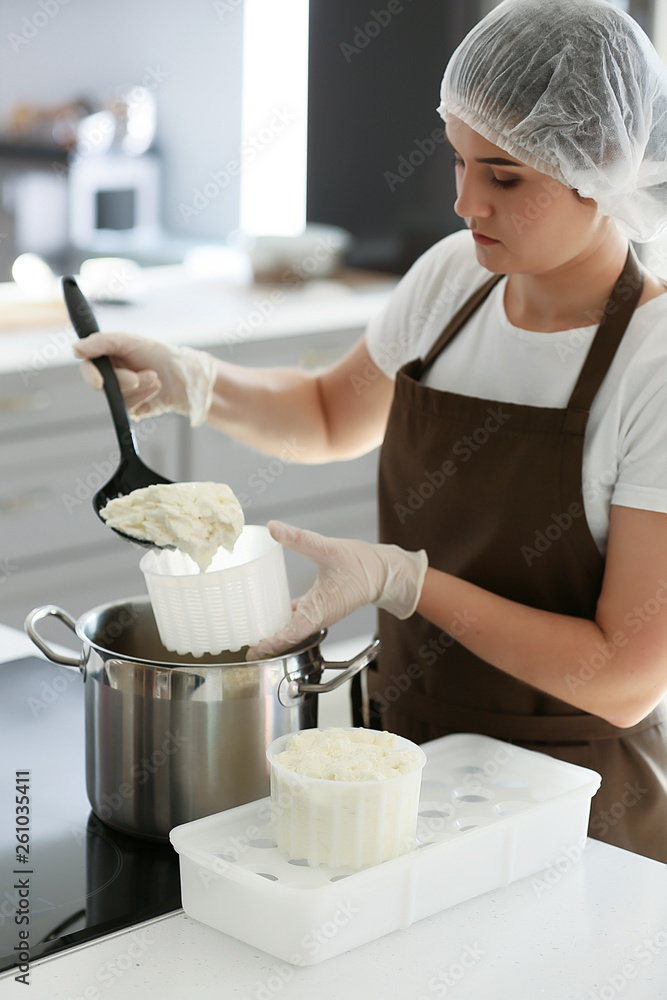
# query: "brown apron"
493,492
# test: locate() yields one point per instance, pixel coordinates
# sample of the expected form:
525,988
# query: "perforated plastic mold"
241,598
490,813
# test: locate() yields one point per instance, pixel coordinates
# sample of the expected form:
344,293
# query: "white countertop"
592,927
172,304
594,930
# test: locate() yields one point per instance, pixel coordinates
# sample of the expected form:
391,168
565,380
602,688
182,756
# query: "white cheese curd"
363,813
347,755
196,518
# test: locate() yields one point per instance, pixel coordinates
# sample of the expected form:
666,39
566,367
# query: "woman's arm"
614,667
338,413
335,414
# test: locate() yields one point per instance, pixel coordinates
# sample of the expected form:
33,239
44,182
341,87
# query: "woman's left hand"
351,573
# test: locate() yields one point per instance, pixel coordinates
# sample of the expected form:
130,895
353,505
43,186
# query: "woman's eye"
504,184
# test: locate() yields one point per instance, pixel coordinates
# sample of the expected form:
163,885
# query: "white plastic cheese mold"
242,597
355,823
489,813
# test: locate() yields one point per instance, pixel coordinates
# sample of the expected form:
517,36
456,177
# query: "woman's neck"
575,294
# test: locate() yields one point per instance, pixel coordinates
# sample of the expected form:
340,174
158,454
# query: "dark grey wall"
374,82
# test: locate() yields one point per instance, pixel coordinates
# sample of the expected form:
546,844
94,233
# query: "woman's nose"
471,200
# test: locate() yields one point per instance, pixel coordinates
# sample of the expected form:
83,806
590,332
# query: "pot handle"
349,668
44,612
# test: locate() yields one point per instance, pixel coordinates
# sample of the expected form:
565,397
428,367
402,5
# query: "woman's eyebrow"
496,161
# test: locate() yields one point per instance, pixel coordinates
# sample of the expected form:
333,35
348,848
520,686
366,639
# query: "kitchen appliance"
132,473
490,813
88,879
242,597
114,201
170,738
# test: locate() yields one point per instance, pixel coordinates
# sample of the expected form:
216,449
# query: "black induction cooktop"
79,879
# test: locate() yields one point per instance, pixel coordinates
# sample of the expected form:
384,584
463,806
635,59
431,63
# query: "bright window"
275,106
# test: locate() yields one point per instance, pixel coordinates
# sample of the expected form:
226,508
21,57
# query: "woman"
517,381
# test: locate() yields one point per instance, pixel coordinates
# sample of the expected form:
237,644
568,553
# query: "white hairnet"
575,89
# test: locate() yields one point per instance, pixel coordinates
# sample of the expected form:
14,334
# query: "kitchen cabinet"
57,446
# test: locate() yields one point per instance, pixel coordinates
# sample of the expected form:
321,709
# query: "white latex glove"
154,378
351,573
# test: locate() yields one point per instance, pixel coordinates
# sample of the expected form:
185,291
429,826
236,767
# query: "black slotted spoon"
132,473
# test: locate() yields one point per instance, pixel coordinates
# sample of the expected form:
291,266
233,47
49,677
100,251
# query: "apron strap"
615,319
459,319
616,316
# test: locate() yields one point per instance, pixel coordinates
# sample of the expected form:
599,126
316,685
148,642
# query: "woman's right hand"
154,377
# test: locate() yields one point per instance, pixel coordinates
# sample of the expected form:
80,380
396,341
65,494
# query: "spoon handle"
84,323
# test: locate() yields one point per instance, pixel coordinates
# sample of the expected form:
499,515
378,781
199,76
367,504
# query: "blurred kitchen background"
224,139
144,130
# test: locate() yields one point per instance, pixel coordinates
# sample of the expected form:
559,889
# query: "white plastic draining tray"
490,813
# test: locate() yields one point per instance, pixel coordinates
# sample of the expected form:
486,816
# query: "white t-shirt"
625,448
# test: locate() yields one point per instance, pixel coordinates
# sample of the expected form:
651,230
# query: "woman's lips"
484,241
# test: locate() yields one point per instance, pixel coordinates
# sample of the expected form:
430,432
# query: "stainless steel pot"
171,738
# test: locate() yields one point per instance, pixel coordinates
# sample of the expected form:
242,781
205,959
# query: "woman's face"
522,221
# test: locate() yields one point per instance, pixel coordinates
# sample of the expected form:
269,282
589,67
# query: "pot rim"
308,643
